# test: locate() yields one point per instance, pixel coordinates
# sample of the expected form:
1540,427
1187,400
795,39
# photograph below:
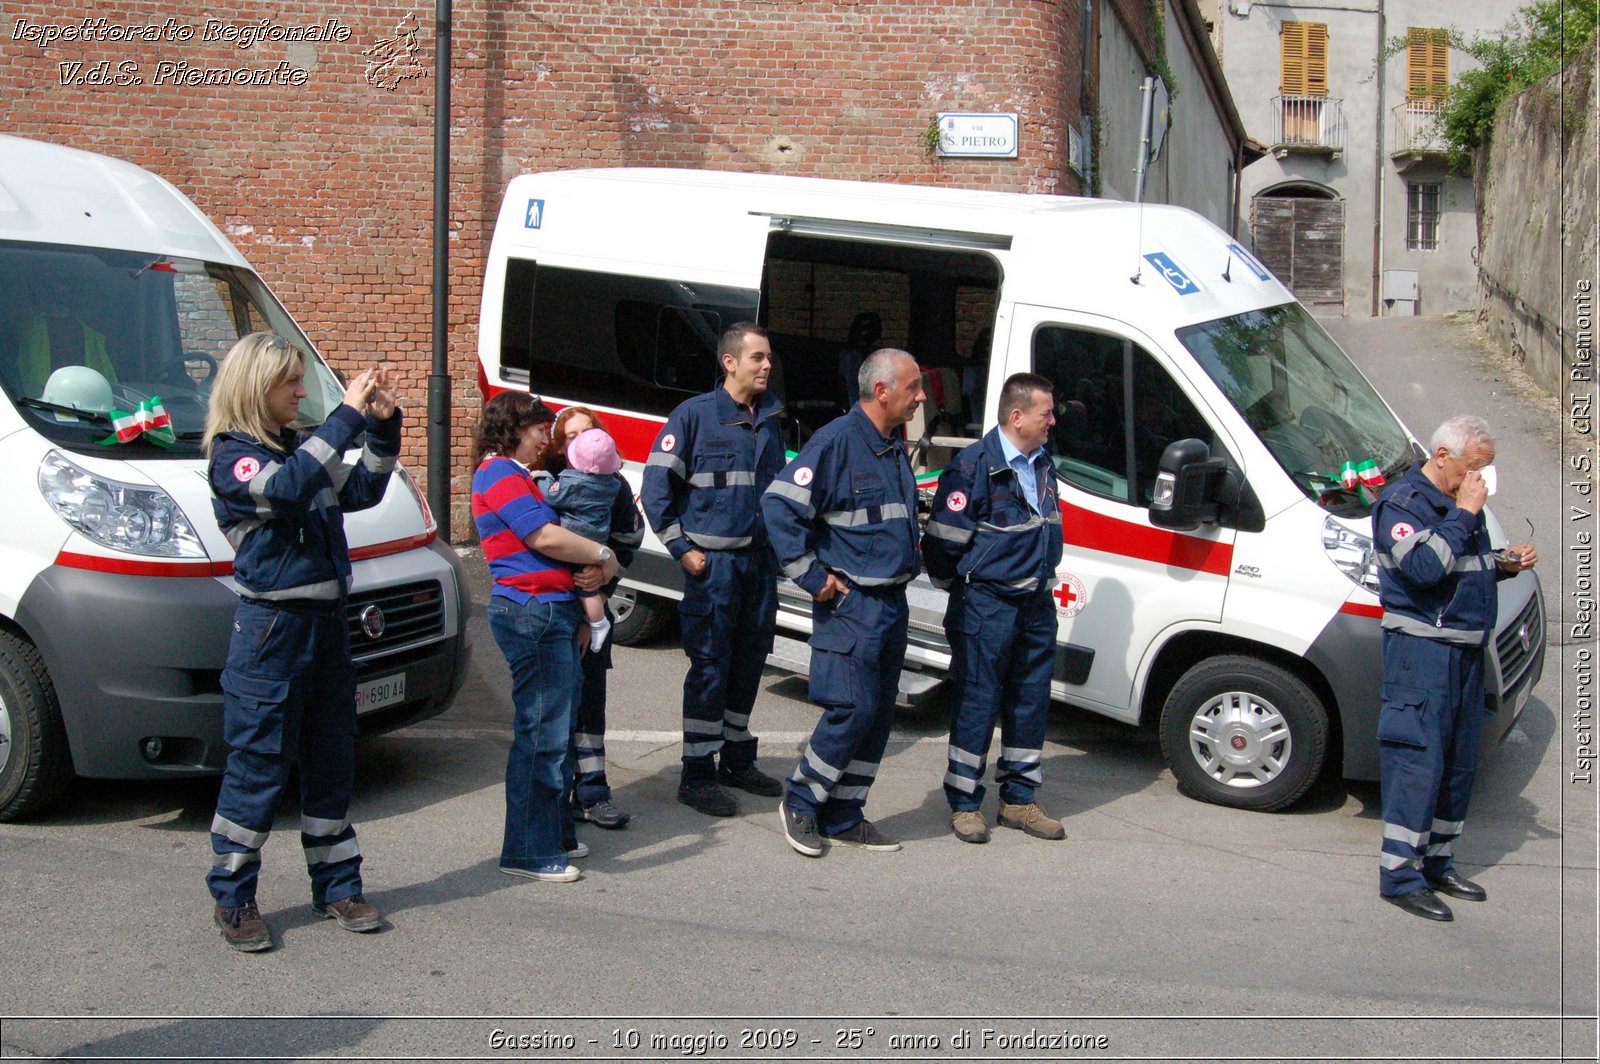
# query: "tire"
1243,732
35,765
638,617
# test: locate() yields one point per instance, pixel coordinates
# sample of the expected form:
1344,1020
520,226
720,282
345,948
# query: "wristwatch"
605,555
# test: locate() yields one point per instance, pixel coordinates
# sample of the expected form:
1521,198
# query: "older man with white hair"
1436,580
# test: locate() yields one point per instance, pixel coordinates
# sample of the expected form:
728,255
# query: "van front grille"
411,613
1518,645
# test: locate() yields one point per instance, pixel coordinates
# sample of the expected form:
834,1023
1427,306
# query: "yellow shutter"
1427,65
1304,59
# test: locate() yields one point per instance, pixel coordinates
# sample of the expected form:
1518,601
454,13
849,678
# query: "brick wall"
326,184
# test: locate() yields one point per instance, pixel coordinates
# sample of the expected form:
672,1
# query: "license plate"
375,694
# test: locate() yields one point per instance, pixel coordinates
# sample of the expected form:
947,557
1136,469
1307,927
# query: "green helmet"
79,388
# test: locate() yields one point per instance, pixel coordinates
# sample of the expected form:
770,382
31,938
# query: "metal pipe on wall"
439,377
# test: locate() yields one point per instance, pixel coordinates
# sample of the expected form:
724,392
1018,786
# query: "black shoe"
602,814
706,797
749,779
1452,884
801,831
1424,903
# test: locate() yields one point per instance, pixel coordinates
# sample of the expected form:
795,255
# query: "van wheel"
638,617
1243,732
34,763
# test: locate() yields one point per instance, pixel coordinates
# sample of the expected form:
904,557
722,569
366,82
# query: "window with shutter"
1304,59
1427,66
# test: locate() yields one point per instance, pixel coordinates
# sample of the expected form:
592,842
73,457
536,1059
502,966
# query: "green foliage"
1540,40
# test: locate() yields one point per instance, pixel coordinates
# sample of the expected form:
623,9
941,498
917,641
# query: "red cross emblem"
1070,595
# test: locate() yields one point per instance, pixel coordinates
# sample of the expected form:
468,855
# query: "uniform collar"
1427,489
1008,450
731,413
879,443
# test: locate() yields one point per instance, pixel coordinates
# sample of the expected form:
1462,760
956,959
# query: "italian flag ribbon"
1365,478
149,420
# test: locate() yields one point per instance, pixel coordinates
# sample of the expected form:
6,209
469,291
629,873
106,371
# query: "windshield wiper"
98,416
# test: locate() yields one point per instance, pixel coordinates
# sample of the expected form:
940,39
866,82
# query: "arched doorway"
1299,233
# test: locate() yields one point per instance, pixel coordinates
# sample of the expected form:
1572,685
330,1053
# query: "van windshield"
1314,411
87,334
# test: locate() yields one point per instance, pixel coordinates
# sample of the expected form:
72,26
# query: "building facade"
1354,205
308,137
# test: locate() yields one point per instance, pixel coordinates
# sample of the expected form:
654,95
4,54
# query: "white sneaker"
579,851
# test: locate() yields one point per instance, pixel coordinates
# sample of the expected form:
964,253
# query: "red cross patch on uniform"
668,442
957,501
1400,531
245,468
802,476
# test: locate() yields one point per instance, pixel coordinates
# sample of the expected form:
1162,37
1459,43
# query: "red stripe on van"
1096,531
393,546
635,434
142,566
1361,609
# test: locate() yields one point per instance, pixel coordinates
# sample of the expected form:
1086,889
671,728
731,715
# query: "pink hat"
593,451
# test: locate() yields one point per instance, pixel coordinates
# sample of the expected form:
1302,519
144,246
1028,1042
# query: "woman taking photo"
534,615
288,682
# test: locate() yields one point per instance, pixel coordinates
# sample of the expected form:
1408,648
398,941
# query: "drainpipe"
439,378
1378,175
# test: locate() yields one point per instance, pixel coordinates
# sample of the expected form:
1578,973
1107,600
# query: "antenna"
1227,269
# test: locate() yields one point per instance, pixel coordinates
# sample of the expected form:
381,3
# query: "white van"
116,593
1211,439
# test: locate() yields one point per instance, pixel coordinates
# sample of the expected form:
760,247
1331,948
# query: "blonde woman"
289,682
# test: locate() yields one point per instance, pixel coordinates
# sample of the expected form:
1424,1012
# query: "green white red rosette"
148,420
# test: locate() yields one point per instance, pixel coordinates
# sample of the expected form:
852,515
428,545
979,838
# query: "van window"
638,343
829,302
1312,409
1094,439
88,331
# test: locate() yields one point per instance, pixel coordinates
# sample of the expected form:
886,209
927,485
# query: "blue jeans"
539,640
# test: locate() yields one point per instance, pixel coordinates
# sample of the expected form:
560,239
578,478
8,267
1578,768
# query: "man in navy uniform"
702,489
843,519
1436,578
993,540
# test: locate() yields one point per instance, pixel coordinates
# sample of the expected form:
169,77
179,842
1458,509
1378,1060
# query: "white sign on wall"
990,136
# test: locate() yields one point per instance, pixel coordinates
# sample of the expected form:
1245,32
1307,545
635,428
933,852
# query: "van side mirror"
1189,486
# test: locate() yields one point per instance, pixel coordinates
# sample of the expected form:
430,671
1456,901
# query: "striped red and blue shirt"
508,507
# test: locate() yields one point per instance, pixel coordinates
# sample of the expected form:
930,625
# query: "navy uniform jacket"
280,503
846,504
1436,575
627,525
982,528
710,464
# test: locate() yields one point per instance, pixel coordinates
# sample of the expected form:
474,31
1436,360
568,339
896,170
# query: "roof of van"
58,195
711,226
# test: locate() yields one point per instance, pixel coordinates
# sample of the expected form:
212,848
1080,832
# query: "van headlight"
125,517
1351,553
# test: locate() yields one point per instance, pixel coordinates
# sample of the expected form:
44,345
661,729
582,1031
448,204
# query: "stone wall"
1537,226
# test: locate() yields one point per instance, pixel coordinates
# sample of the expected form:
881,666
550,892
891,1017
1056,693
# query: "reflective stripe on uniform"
323,590
339,851
668,461
1401,833
800,566
1393,861
1448,827
729,478
795,492
960,783
700,539
965,757
1426,538
893,511
221,825
232,862
949,533
1423,630
310,825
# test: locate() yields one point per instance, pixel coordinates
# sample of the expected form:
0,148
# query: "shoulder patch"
1400,530
668,442
956,502
802,476
245,469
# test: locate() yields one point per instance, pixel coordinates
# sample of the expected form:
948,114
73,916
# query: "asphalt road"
1162,928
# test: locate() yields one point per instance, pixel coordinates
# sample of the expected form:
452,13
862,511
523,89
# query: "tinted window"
638,343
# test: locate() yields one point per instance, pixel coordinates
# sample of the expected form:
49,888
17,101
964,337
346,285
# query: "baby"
583,494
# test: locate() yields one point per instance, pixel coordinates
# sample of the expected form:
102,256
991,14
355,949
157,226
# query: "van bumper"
1349,654
135,658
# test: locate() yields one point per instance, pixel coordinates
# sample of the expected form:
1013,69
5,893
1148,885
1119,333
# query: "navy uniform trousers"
858,645
288,696
729,616
1428,736
1002,653
589,785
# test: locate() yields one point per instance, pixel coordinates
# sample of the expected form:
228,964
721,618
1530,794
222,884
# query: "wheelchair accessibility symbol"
1174,274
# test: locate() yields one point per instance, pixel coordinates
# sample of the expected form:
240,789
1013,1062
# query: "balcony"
1415,135
1307,125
